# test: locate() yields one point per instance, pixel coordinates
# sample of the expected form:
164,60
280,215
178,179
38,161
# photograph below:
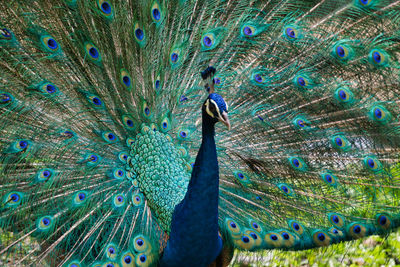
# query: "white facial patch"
217,108
208,108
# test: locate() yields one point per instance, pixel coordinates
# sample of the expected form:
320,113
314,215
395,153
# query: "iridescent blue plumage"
194,238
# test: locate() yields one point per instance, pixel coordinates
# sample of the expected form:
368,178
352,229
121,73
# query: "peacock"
173,132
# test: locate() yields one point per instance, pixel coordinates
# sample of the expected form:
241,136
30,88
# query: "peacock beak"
225,120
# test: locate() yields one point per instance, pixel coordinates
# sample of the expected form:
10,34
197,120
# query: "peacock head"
215,109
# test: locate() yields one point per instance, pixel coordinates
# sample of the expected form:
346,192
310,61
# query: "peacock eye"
126,80
245,239
137,199
129,123
23,144
371,163
128,259
378,113
207,41
357,229
339,141
5,33
111,136
340,51
106,8
50,88
286,189
5,98
156,14
253,235
139,242
365,2
93,158
233,225
49,43
321,239
96,101
342,94
377,57
94,52
143,258
301,81
274,237
247,31
68,133
296,162
183,134
52,44
290,32
174,57
157,84
382,220
321,236
14,197
285,236
139,34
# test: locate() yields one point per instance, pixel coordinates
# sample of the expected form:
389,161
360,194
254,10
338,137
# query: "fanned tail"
100,123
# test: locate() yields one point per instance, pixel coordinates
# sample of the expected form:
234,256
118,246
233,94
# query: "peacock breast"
159,172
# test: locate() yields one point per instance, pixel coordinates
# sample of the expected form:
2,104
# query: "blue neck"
194,237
